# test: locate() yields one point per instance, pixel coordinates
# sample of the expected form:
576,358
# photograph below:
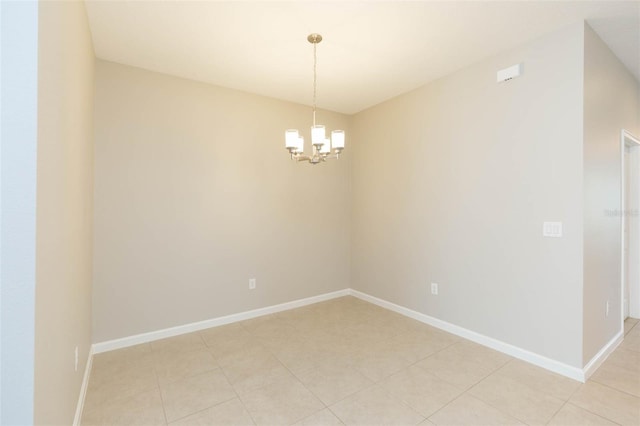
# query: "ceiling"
372,50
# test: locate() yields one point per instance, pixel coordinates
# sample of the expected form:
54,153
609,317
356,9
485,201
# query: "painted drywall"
18,112
195,194
64,209
611,103
452,183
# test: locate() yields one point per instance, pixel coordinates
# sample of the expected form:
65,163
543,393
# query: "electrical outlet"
76,362
252,283
434,288
606,309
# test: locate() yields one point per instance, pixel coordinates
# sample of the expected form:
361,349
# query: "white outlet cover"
552,229
434,288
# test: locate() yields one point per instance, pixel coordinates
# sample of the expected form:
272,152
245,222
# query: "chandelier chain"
315,79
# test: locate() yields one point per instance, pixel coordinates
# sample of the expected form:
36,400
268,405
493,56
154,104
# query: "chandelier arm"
332,156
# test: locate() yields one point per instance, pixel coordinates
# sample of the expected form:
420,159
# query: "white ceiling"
372,50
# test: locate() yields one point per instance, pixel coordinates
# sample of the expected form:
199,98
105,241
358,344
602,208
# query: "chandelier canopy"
322,147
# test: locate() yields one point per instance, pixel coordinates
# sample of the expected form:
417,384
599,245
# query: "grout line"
255,339
125,397
447,404
564,402
632,327
299,379
155,374
558,410
335,335
591,412
466,392
615,389
163,352
316,412
335,415
398,399
373,382
236,392
194,413
205,409
534,388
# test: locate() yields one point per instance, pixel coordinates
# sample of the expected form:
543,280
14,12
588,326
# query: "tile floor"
349,362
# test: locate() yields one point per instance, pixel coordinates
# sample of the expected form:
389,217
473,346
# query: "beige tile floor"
349,362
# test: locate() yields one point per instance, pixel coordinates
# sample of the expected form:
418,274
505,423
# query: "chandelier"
320,144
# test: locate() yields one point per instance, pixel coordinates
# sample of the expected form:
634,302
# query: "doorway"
630,225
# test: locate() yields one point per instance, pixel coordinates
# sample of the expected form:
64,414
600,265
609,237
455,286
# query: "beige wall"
611,103
64,208
451,184
195,194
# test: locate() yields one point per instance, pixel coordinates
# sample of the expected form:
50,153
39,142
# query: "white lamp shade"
291,138
326,147
317,135
300,144
337,139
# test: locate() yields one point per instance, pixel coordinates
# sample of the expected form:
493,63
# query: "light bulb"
326,147
337,139
291,138
317,135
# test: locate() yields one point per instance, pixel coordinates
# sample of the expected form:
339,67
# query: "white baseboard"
541,361
201,325
602,355
514,351
83,389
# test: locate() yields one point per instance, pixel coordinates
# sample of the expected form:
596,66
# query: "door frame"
627,139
